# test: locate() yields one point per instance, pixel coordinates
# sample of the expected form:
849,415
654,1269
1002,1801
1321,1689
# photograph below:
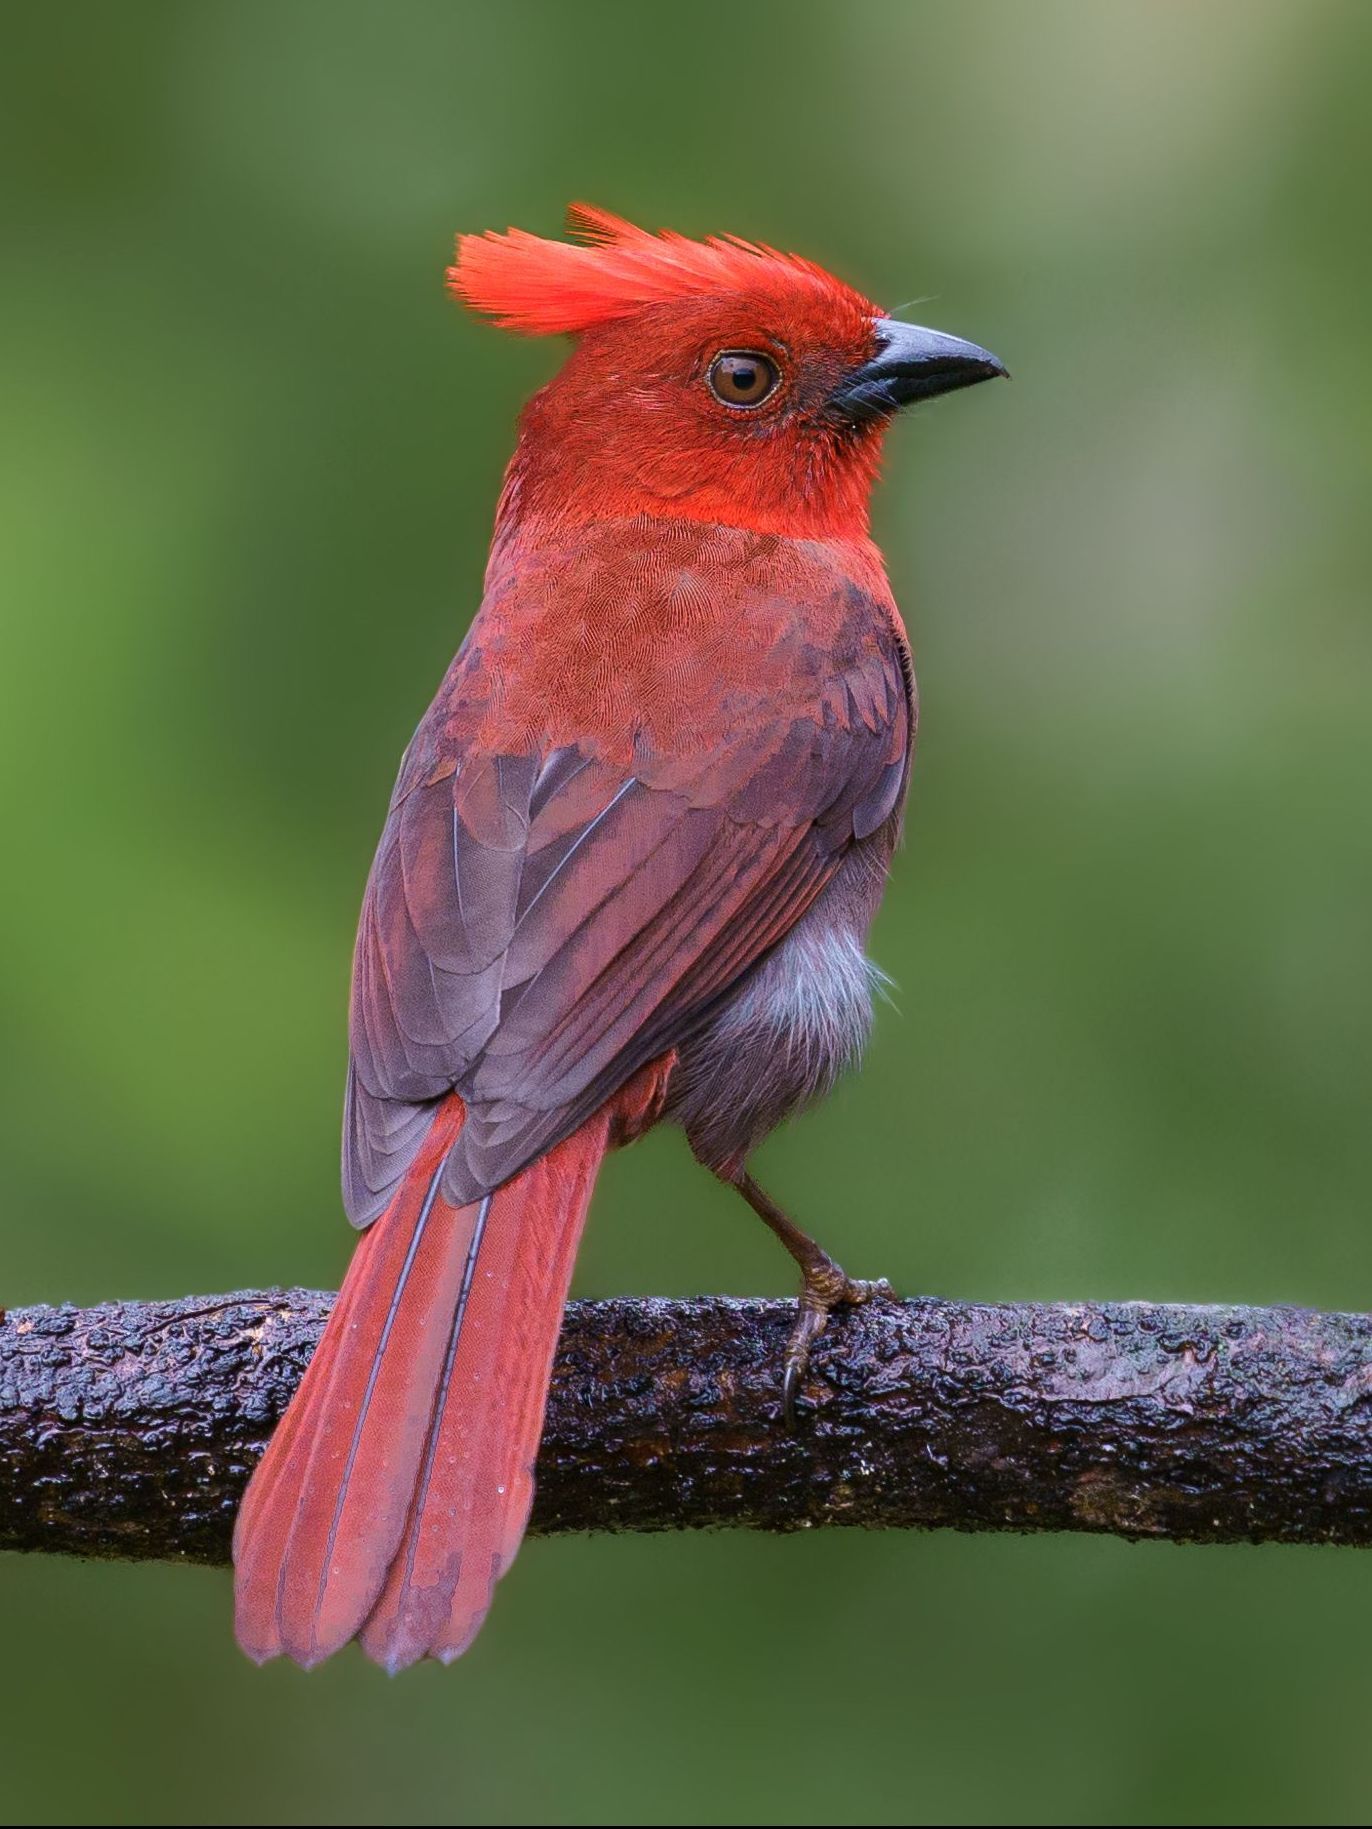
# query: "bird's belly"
787,1033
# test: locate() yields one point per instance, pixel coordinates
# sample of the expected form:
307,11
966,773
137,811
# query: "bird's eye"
743,377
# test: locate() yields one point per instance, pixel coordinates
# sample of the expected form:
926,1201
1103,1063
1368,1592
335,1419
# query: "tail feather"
399,1482
266,1518
471,1506
355,1488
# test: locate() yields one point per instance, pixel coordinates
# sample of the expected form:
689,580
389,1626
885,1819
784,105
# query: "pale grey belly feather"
798,1021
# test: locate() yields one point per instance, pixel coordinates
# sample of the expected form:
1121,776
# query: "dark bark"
129,1430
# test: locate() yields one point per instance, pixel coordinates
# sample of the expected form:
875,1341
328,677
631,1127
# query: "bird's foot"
825,1286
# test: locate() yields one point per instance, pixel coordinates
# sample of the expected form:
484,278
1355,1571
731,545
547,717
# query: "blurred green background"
250,454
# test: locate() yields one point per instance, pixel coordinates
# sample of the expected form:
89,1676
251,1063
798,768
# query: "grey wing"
537,928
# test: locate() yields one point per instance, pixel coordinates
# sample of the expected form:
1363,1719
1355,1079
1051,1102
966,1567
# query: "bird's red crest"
545,288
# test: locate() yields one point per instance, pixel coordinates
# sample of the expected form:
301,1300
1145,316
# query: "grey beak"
912,363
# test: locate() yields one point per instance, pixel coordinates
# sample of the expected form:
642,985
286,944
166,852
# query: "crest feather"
545,288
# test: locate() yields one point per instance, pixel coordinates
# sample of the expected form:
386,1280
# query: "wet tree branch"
130,1429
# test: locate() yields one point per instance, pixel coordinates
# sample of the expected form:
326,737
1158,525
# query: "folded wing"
538,926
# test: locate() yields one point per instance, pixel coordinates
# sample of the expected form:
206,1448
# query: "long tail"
396,1489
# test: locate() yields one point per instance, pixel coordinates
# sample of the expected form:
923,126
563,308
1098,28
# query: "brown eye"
742,377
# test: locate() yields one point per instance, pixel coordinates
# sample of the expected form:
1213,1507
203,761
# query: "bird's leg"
824,1285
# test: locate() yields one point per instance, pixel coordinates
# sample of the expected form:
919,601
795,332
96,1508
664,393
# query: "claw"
824,1285
822,1291
789,1385
810,1324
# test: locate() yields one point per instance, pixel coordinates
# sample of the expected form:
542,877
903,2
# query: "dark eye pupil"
741,378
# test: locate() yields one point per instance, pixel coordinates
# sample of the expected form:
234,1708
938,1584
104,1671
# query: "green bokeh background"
250,454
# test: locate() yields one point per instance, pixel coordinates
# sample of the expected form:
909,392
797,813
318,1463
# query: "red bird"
627,875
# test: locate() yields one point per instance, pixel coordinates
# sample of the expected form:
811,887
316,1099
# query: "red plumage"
627,871
396,1490
546,288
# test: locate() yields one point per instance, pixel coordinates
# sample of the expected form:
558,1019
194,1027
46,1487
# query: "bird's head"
716,380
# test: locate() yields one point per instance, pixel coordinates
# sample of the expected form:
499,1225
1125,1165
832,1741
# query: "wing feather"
540,924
